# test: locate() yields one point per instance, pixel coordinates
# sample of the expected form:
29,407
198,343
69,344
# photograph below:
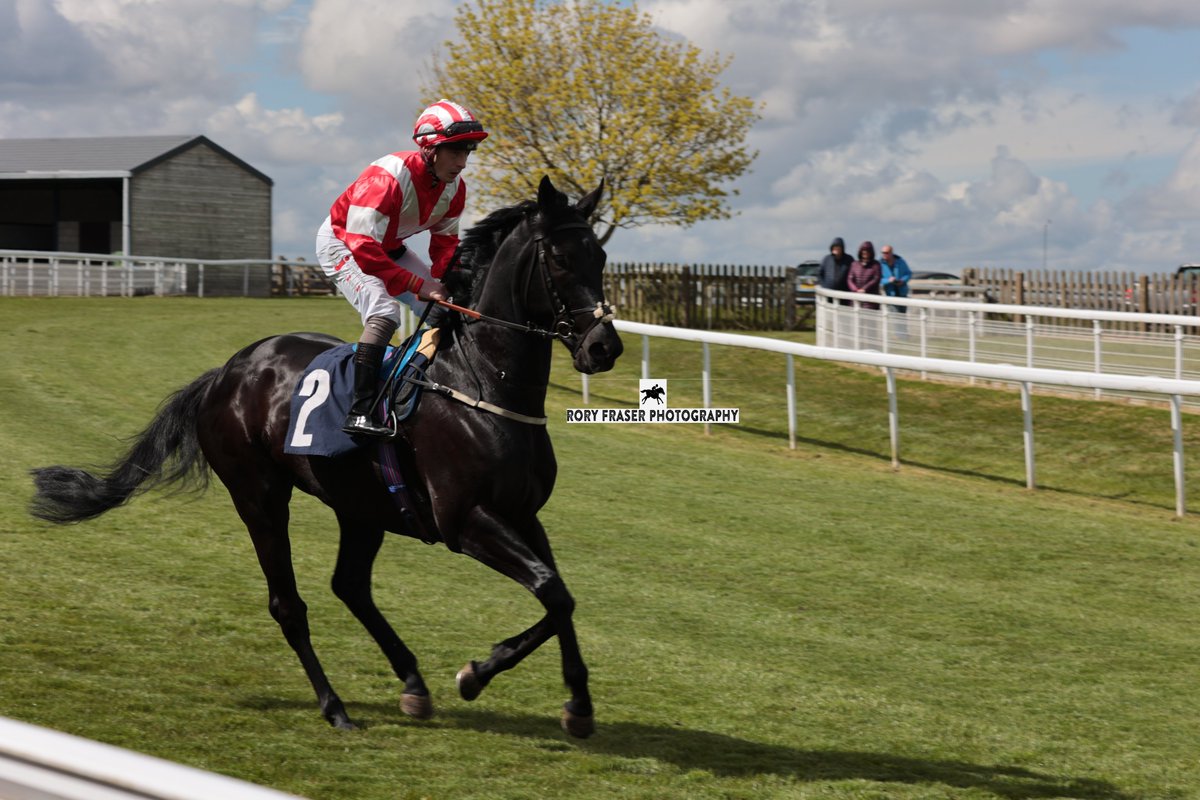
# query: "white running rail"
41,764
1173,388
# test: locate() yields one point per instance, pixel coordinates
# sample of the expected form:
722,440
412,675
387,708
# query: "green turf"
759,622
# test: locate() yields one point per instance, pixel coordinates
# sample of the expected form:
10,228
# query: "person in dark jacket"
835,267
865,273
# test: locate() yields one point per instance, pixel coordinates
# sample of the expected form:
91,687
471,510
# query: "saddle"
322,399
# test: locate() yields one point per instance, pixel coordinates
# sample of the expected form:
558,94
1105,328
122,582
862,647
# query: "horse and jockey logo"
651,404
653,390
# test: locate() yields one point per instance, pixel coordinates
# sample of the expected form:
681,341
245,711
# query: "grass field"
759,622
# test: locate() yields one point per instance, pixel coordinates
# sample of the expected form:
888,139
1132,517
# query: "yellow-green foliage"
589,90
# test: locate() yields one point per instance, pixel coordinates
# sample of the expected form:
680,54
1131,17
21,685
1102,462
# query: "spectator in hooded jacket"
835,267
865,273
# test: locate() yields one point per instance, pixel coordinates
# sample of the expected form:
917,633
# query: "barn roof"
99,156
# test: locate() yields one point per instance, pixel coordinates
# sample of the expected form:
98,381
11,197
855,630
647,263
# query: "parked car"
944,277
807,273
1190,272
1185,274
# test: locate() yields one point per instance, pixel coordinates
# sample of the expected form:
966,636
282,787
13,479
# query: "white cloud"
373,51
146,45
286,135
39,48
1175,203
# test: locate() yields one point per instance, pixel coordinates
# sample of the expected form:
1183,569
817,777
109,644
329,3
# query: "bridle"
566,325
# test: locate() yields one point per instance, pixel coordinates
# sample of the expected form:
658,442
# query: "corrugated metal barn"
169,196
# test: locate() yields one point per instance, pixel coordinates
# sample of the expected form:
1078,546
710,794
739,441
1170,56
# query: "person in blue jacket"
893,281
895,274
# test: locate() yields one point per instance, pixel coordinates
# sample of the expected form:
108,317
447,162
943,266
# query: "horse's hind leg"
266,517
527,559
352,584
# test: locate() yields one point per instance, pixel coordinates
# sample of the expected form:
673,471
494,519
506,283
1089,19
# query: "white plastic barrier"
40,764
1173,388
1115,342
34,273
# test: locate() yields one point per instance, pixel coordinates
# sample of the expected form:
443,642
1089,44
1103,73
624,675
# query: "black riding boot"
367,360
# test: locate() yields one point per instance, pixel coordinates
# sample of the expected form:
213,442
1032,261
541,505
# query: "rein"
601,311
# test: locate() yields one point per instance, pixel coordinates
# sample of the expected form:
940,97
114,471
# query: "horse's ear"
587,204
549,197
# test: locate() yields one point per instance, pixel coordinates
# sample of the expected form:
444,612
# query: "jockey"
361,243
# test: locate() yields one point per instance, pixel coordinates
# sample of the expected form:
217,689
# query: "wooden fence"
706,296
291,278
1097,291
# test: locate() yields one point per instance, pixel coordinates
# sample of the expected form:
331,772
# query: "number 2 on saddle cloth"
322,399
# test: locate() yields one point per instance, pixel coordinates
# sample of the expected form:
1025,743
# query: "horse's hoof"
417,706
469,685
342,723
580,727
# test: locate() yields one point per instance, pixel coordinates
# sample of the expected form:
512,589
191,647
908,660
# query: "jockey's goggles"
463,126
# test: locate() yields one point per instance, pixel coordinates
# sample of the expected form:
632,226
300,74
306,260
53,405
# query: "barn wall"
200,204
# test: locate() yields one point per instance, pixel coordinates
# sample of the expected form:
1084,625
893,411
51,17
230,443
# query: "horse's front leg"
523,554
507,654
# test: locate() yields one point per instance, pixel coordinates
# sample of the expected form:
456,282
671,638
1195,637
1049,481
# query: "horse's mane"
479,245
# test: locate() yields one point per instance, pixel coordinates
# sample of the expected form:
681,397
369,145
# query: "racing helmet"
445,122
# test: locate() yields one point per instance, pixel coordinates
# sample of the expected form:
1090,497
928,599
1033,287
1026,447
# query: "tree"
588,89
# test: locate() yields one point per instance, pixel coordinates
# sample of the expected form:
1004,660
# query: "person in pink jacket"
360,245
865,273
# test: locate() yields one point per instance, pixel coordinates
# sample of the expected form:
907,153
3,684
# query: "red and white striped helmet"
445,122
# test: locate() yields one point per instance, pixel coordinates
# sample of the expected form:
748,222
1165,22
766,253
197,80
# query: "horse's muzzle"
599,349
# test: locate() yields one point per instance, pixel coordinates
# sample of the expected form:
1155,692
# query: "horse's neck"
505,367
503,292
510,363
517,359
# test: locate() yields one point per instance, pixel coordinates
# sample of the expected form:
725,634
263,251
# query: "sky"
1010,133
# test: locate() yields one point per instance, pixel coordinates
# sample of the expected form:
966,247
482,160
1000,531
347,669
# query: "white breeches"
366,292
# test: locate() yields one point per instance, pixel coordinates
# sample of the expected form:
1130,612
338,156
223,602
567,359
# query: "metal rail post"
1177,430
893,416
1027,432
791,400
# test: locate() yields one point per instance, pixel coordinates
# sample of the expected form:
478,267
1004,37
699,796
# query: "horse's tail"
166,452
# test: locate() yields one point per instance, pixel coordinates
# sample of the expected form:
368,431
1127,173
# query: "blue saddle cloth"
322,398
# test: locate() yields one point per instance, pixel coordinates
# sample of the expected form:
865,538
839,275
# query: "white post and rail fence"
1174,389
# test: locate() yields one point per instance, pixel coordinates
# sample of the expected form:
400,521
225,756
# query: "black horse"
478,478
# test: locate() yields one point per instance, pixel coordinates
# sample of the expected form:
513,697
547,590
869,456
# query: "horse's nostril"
597,351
